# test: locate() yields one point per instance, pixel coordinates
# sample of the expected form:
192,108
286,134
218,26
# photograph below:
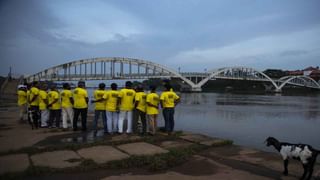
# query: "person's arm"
71,100
177,100
54,101
34,98
151,105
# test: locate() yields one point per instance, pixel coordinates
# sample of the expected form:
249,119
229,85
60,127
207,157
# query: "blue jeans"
104,119
168,115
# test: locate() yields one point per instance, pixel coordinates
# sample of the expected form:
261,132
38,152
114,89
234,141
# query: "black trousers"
142,115
83,113
54,116
34,116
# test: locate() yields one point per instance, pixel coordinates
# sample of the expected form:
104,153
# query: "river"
250,119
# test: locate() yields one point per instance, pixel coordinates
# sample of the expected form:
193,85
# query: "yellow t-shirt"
98,95
33,92
43,95
79,97
52,96
111,98
152,98
168,98
127,97
65,98
22,97
141,97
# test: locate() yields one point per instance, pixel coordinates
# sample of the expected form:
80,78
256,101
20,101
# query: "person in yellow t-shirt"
100,108
140,110
80,106
34,105
66,106
111,99
169,99
126,100
54,106
22,102
152,109
43,102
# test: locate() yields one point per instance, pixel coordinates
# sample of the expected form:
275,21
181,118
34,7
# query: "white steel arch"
307,81
250,74
86,69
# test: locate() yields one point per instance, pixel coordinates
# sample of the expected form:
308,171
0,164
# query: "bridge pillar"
278,90
196,89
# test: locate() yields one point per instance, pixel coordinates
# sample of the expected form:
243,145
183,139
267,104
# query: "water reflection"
249,119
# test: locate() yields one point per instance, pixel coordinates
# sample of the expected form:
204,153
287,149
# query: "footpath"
58,154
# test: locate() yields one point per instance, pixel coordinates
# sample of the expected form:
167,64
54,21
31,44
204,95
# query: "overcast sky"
191,34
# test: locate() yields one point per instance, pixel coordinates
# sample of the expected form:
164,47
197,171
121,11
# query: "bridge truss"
128,68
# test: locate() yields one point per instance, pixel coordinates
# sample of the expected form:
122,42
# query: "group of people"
120,110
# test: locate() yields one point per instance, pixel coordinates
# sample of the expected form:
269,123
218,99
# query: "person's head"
35,84
128,84
44,86
29,85
81,84
139,88
152,88
167,87
66,86
114,86
102,86
53,87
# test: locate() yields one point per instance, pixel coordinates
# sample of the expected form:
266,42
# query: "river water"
250,119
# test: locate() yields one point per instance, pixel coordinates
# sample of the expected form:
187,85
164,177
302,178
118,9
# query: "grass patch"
76,146
223,143
153,163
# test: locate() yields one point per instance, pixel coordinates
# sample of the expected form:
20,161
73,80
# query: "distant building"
312,72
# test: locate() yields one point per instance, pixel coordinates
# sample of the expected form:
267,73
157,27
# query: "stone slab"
14,163
102,154
175,144
197,138
56,159
204,140
142,148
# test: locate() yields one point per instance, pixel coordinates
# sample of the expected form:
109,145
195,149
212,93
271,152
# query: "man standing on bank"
126,100
80,97
140,109
66,106
169,99
100,108
34,104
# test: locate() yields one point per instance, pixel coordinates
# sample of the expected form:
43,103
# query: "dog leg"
285,164
310,170
305,170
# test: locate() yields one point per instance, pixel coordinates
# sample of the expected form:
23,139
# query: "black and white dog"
303,152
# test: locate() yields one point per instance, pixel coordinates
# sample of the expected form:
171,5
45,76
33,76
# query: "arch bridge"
129,68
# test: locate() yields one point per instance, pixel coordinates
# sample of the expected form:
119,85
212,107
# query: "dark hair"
34,83
167,87
81,83
114,86
152,87
102,85
129,84
139,88
66,86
